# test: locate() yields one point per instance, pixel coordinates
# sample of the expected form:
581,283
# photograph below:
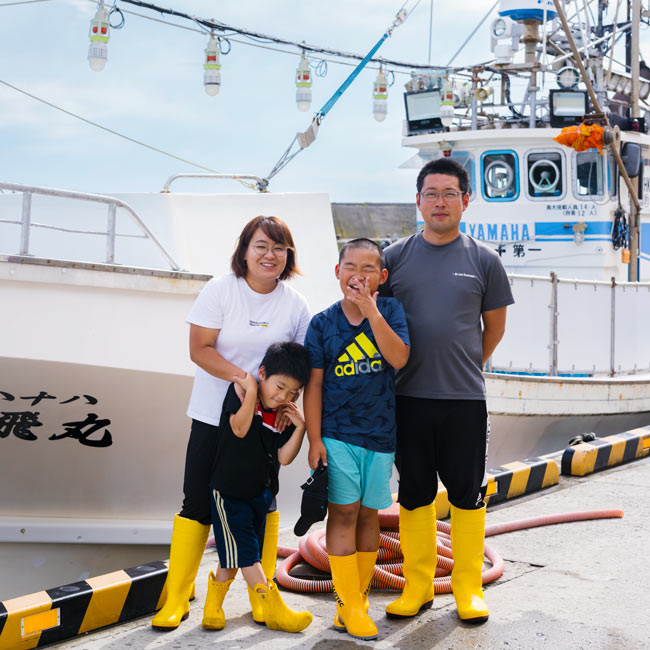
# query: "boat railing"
113,203
236,177
575,328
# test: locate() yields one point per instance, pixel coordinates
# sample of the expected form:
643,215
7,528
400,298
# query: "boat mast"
635,70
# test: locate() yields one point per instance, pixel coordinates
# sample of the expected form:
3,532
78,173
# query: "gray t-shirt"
443,290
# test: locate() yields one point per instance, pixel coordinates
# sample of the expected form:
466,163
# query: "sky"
152,90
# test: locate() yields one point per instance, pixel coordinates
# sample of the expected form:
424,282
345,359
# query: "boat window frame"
612,176
472,173
603,177
498,199
564,179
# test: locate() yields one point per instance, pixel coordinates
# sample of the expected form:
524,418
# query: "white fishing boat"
94,370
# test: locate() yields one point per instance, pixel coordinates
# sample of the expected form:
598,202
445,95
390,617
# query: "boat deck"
576,585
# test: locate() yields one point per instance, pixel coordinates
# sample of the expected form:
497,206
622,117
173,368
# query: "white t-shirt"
248,322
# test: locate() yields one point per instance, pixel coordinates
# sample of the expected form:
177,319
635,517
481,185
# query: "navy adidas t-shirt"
358,384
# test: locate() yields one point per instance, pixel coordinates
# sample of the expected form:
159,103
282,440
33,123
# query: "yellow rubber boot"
213,614
277,615
350,602
268,561
417,536
467,541
366,561
188,543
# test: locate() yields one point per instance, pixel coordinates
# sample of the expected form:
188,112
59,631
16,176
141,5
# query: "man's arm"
494,327
313,403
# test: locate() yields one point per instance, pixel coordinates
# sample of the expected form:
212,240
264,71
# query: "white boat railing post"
554,315
112,202
110,233
612,335
25,223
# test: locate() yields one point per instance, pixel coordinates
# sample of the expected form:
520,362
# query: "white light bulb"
303,84
380,109
380,97
212,67
303,98
97,55
99,35
212,81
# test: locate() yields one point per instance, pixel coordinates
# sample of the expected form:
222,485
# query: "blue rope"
353,75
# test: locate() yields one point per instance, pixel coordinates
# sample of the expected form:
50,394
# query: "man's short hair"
289,359
447,166
368,244
274,228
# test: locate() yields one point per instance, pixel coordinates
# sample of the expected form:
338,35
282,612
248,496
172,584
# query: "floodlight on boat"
567,107
568,78
212,67
504,38
380,96
303,84
99,35
423,111
447,103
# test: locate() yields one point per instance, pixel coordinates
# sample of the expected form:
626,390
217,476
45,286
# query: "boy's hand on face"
243,386
292,413
365,299
317,451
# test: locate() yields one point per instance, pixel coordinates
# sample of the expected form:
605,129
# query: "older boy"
245,480
355,345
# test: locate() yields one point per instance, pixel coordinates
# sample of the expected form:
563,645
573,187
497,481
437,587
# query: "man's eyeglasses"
278,250
447,196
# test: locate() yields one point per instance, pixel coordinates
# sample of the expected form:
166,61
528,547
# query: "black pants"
201,450
447,437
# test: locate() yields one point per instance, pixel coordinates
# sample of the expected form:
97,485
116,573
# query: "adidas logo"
360,357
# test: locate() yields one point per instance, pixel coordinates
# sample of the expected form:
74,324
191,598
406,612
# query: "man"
455,292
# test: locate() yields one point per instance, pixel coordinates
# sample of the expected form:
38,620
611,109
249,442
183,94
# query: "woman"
233,321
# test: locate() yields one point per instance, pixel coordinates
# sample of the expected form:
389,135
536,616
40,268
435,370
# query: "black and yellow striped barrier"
602,453
509,481
56,614
521,477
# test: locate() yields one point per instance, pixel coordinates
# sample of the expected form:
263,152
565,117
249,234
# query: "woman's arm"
203,354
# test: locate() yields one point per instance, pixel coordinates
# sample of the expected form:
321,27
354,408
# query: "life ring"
510,176
545,185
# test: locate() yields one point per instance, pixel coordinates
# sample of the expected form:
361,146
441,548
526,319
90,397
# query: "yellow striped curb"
602,453
64,612
509,481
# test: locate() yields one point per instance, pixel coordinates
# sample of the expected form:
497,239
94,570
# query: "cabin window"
466,159
612,175
545,177
499,175
589,169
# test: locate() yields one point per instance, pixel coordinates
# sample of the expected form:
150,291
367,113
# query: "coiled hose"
388,571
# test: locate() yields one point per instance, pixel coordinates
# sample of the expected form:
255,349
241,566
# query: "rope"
117,133
388,571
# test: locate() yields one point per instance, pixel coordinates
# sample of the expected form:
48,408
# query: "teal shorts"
358,474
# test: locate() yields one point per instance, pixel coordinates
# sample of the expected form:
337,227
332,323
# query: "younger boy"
355,345
245,480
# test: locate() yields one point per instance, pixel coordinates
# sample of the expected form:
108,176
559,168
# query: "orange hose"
389,575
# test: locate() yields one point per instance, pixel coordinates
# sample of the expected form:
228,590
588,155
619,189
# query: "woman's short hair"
275,229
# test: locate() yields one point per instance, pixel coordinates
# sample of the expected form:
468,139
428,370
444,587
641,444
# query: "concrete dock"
578,585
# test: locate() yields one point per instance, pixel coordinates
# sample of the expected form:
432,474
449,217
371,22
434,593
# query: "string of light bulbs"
219,44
